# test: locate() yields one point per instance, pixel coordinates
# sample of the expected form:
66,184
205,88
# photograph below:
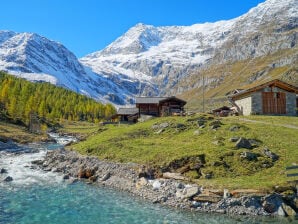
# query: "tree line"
20,98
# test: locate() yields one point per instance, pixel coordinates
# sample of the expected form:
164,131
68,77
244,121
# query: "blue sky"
86,26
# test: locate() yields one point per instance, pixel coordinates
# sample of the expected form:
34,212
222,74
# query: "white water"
62,140
17,161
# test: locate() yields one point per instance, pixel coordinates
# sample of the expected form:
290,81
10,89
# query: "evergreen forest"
19,99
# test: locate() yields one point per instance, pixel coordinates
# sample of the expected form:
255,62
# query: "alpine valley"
173,60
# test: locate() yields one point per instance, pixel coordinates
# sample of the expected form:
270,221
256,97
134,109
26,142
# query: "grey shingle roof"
127,111
149,100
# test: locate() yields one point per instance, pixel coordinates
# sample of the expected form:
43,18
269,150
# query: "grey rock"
250,156
234,128
66,177
281,212
37,162
251,202
179,185
155,126
156,184
2,170
187,192
254,143
272,203
106,176
243,143
8,179
180,127
288,210
270,154
201,122
214,127
164,125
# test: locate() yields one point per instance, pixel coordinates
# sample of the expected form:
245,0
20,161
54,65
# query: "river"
36,196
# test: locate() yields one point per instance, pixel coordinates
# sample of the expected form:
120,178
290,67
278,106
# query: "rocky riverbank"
171,189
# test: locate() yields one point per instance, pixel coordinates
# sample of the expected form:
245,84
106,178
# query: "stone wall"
245,105
253,104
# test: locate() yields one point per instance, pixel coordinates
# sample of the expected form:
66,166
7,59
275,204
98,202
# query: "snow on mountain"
164,55
36,58
150,60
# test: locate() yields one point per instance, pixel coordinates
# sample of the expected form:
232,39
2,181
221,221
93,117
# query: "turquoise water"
35,196
82,203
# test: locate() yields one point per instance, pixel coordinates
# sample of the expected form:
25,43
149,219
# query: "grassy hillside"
201,152
224,77
18,134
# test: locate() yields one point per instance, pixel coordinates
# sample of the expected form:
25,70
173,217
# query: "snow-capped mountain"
165,55
150,60
36,58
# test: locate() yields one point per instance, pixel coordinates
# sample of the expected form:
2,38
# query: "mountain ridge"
167,60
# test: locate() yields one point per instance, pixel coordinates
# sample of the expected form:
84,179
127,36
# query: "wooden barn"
127,114
160,106
273,98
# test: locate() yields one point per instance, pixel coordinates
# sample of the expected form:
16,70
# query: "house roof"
149,100
156,100
273,83
234,91
173,98
127,111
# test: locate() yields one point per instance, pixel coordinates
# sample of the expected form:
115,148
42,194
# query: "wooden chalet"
127,114
160,106
274,97
222,111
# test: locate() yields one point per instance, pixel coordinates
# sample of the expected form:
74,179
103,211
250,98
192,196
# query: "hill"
202,148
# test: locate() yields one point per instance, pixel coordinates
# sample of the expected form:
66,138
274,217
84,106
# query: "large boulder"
2,170
156,184
187,192
243,143
8,179
272,204
288,210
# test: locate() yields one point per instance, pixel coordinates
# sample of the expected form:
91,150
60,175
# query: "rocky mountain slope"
36,58
173,60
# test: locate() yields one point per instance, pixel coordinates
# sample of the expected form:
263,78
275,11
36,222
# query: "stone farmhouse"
272,98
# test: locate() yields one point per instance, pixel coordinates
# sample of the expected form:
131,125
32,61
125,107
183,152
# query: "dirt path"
264,122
